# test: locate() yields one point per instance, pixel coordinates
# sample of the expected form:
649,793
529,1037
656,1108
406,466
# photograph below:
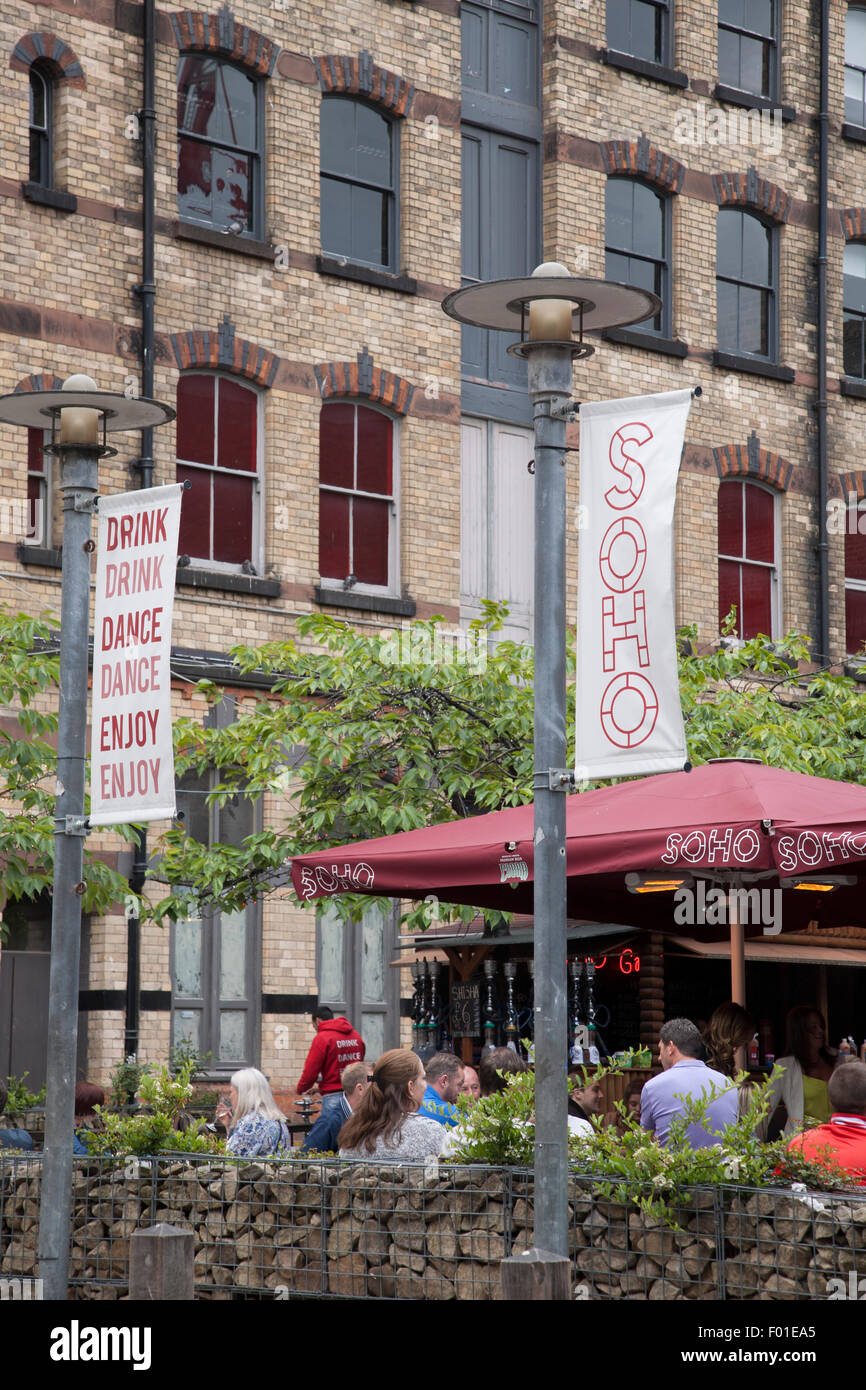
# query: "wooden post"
738,949
652,992
161,1264
536,1276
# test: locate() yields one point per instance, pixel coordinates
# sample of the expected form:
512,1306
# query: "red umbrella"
729,822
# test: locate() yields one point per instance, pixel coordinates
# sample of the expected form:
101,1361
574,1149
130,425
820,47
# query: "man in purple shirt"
685,1075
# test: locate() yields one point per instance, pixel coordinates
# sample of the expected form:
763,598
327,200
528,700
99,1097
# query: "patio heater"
551,310
79,416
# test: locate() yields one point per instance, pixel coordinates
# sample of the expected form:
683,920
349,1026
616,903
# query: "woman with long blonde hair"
256,1125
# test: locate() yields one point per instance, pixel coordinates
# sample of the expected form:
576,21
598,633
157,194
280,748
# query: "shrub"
20,1098
631,1167
160,1126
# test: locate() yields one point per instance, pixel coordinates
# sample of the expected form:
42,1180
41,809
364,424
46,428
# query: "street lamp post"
78,414
546,308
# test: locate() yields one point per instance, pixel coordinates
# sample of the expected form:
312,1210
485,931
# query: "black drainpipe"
823,652
146,292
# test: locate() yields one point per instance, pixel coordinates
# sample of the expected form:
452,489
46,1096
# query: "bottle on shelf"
753,1058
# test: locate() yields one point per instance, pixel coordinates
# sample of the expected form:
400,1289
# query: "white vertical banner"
131,756
628,716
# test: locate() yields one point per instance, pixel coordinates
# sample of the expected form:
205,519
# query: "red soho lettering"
629,705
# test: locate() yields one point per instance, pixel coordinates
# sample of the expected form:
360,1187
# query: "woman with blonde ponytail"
386,1128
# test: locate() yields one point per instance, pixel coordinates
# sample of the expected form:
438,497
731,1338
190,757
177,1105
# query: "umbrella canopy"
731,820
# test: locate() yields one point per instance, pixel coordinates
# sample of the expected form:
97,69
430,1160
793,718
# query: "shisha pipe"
590,1012
576,1051
512,1031
489,1007
433,1020
417,1008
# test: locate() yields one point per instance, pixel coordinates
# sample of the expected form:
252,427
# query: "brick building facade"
310,203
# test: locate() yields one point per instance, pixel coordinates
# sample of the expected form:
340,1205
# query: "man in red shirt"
844,1138
335,1047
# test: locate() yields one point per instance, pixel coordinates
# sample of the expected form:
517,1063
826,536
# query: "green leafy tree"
29,672
374,734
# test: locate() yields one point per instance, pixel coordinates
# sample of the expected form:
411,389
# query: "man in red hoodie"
335,1047
843,1139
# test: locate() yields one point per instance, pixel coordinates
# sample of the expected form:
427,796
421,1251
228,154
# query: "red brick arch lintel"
739,461
42,46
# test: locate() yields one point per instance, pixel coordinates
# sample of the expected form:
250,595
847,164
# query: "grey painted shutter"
496,509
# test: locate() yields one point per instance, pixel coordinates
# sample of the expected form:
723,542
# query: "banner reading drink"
131,758
628,714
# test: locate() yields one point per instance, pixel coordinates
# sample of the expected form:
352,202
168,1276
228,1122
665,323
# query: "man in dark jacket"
335,1046
322,1137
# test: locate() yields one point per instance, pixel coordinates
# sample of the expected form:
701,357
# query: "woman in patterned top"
385,1127
257,1128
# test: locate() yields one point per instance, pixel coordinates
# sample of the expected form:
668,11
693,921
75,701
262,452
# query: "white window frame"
392,588
257,545
775,568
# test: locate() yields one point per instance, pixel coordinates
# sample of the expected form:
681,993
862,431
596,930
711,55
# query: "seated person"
843,1138
255,1123
499,1060
586,1099
471,1084
444,1073
13,1138
322,1137
86,1097
686,1077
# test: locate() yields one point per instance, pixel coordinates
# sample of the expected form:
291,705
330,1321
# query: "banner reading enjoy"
628,715
131,758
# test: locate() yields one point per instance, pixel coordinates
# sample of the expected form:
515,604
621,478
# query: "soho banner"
628,715
131,758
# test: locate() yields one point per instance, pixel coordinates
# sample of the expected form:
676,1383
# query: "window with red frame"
356,495
217,453
37,526
855,592
747,556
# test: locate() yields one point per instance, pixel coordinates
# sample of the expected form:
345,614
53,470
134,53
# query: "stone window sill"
225,241
752,101
857,133
732,362
369,603
853,386
366,275
40,555
672,347
190,577
656,72
49,197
